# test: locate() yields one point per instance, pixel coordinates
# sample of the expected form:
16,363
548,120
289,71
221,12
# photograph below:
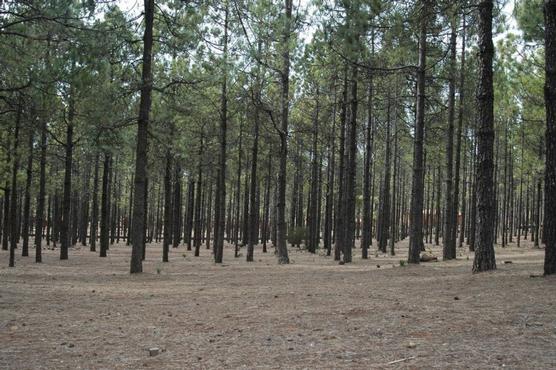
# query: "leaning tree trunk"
484,248
281,235
416,208
550,167
138,222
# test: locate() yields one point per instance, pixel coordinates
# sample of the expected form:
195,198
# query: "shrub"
297,235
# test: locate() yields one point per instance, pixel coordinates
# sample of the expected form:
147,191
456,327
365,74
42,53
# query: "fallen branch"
400,360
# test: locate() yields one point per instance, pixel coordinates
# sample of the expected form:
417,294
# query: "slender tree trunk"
198,202
7,201
473,205
13,195
266,214
253,208
66,205
168,224
463,200
448,239
416,212
177,205
459,146
392,215
281,245
367,221
484,249
384,217
105,207
42,194
94,220
220,202
313,215
84,211
27,201
438,212
339,228
238,192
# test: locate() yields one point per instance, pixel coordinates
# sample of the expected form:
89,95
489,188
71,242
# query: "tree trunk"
367,221
484,249
198,202
416,212
138,221
313,214
42,194
384,215
66,205
238,191
220,201
281,245
448,238
177,205
94,218
105,207
27,201
393,203
339,217
550,167
459,146
167,208
13,195
351,173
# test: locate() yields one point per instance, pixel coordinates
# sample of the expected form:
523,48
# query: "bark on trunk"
66,204
550,168
484,248
367,221
416,211
138,222
105,207
167,208
281,235
27,201
13,195
220,201
448,238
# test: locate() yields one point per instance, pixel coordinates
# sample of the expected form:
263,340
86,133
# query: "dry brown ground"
88,312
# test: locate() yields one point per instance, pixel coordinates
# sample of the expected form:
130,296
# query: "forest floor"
90,313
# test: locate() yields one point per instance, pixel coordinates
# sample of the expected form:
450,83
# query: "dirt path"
89,313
